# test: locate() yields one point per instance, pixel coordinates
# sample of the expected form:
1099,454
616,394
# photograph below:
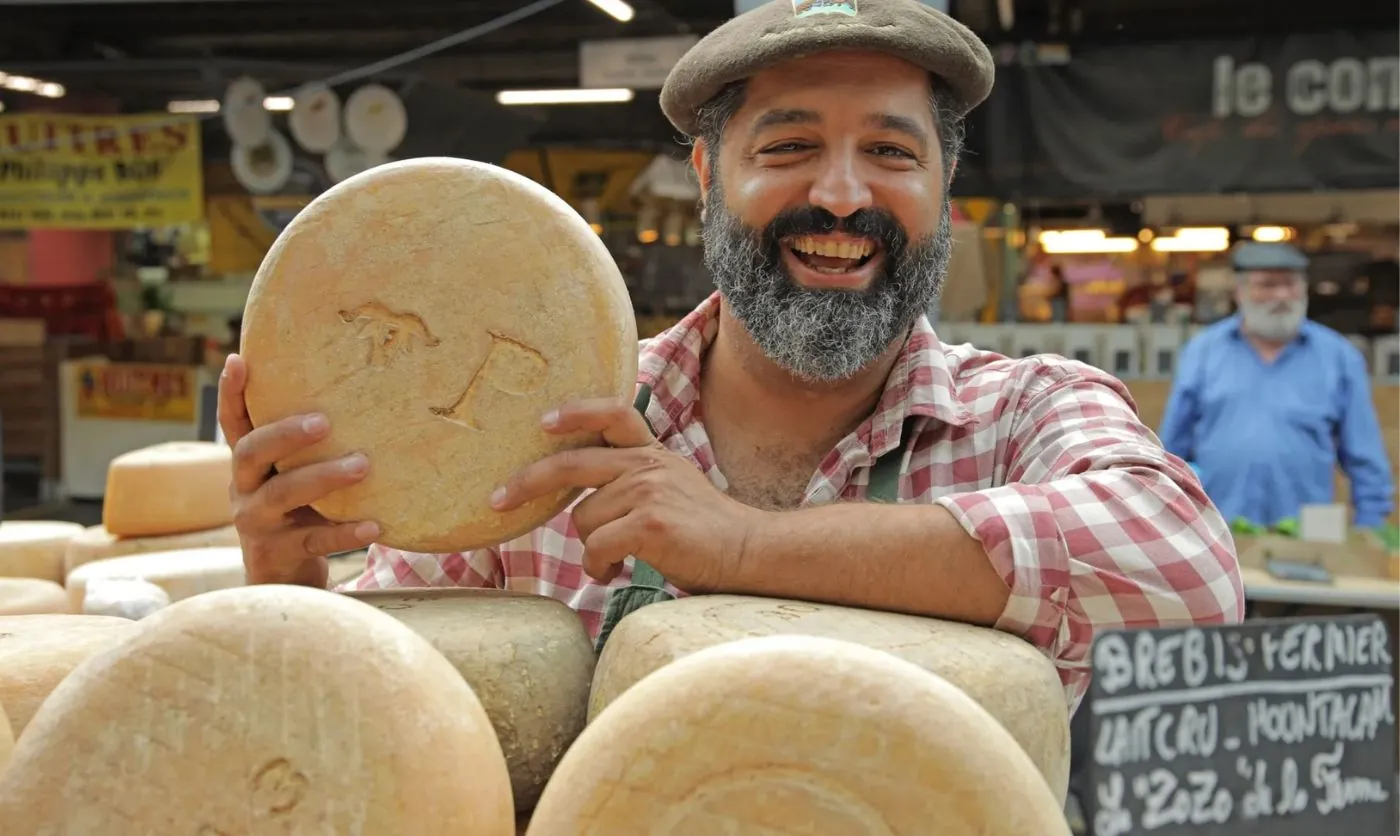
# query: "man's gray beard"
821,336
1273,326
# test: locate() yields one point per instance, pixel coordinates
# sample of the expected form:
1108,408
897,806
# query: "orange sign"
136,391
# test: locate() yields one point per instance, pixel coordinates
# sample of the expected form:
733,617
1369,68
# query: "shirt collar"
920,383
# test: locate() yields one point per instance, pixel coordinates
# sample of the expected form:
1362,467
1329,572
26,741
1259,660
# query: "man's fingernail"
366,531
550,419
498,497
315,424
354,463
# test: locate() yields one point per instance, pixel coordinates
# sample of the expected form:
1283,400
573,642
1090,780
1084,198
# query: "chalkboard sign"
1269,728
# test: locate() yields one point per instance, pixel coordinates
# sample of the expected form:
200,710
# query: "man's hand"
648,503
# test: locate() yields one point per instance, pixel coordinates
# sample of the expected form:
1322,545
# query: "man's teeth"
833,249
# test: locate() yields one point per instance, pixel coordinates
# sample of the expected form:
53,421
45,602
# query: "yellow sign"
99,172
140,391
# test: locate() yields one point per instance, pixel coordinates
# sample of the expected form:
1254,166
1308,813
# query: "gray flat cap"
1256,256
782,30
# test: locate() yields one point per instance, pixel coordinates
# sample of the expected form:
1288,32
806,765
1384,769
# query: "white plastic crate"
1083,343
1161,347
1385,358
1029,338
996,337
1122,352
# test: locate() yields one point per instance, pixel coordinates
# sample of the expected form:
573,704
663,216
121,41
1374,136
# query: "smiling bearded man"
803,433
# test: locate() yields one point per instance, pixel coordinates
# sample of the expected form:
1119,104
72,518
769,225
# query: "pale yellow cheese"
1010,679
527,658
38,651
171,488
261,710
434,309
35,548
182,574
796,734
97,543
32,596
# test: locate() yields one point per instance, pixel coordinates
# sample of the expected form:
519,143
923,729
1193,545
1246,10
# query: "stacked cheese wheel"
31,565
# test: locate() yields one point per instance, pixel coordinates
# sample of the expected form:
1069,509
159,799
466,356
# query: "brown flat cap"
782,30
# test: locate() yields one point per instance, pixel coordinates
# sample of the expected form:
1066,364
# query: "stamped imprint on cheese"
511,368
389,333
278,787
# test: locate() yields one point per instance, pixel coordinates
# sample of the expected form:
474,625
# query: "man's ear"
700,161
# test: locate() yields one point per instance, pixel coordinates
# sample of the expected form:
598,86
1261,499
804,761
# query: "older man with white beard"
1267,403
803,433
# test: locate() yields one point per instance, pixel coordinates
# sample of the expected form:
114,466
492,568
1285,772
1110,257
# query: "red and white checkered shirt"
1090,522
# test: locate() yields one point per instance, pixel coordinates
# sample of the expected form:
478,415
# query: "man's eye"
893,151
785,148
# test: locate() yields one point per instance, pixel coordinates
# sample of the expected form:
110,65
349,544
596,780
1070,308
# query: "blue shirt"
1266,437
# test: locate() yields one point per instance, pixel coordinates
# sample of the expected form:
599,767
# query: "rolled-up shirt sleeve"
1096,527
387,568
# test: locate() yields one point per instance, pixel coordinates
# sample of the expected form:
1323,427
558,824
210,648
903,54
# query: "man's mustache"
875,224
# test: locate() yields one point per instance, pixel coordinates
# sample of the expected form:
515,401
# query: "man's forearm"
900,558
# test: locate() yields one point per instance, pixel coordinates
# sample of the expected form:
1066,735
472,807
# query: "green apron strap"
884,473
647,585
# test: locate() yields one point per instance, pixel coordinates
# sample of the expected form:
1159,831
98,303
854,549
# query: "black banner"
1300,113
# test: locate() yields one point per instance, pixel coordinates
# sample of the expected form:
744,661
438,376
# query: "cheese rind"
527,658
32,596
97,543
38,651
434,309
35,548
182,574
171,488
1005,675
264,709
796,734
7,739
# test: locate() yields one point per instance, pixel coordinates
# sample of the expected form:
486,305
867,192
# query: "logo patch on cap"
807,8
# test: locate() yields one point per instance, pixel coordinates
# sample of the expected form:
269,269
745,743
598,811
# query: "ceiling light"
1083,241
618,9
279,103
25,84
600,95
193,106
1273,234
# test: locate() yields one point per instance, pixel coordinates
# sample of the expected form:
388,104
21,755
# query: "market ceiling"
148,52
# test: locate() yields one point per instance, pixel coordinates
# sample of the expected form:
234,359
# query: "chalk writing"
389,333
511,368
1285,725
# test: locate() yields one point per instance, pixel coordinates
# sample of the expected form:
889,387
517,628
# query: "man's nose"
839,187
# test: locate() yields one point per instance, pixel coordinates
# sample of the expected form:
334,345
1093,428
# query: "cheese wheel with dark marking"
264,709
434,310
527,658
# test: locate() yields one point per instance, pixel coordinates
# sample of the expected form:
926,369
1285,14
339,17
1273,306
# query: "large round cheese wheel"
38,651
35,548
97,543
434,309
528,659
796,734
264,709
170,488
1005,675
32,596
182,574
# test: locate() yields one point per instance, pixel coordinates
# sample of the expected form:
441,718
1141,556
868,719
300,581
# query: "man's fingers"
256,453
586,467
620,423
605,549
324,540
600,507
286,492
233,410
